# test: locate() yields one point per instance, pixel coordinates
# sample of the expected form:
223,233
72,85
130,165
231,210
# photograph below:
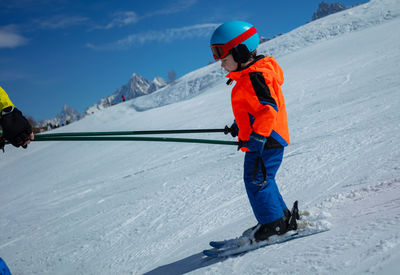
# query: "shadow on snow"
186,265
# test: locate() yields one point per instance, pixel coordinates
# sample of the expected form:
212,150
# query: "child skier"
260,123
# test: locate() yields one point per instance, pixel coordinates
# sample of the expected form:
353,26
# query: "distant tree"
171,76
36,128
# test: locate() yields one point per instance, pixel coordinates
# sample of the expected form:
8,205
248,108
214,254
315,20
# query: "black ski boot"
288,222
248,232
264,231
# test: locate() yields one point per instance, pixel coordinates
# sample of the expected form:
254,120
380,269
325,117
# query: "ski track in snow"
134,208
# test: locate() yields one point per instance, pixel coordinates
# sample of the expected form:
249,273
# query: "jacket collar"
258,57
266,65
237,74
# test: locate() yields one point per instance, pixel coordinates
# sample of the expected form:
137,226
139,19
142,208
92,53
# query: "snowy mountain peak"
137,86
66,116
159,81
67,108
325,9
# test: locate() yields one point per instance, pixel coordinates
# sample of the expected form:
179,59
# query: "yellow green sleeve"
4,100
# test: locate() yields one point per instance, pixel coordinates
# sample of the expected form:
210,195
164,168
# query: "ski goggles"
220,51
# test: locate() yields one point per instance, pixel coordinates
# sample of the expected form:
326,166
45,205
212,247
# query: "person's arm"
4,100
16,128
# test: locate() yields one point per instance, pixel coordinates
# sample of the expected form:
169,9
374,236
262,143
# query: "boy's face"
229,64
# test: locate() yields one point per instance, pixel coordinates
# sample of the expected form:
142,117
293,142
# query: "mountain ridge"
136,86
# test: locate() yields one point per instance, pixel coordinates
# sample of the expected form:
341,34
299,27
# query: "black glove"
2,144
16,128
233,130
243,144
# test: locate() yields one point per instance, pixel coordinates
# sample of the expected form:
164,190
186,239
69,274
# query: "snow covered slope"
137,207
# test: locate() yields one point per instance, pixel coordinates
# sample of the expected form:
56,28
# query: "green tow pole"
114,138
134,133
123,136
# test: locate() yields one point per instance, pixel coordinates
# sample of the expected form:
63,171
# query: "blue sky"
56,52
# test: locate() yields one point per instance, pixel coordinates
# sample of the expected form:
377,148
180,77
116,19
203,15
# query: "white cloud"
9,37
200,30
122,19
12,75
60,22
175,7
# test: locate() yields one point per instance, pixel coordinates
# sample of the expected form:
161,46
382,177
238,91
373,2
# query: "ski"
218,244
301,225
244,244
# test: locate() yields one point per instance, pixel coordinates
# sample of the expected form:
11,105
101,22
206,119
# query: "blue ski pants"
264,196
4,268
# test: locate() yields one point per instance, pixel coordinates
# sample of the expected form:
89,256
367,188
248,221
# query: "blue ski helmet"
232,34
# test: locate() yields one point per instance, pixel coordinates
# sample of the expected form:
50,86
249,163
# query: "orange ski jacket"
257,101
